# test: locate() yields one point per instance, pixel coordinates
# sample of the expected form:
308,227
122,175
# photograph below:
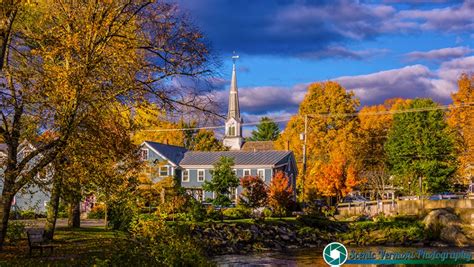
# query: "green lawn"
73,247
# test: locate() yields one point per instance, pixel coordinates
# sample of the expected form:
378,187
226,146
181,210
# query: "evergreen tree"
419,146
267,130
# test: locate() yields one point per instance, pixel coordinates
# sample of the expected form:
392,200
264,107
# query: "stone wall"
463,207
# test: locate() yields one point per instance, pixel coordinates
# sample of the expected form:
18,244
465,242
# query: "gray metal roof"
172,153
258,158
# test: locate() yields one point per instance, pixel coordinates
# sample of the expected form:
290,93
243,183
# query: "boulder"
445,225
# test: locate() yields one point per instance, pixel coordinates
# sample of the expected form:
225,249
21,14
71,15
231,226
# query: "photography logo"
335,254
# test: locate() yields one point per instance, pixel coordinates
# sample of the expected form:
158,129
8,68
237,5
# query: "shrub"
27,214
267,212
212,213
121,214
15,231
167,245
238,212
97,212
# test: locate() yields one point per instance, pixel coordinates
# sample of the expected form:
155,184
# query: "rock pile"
218,238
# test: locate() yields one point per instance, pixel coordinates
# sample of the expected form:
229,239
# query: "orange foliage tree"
461,119
280,195
338,177
329,130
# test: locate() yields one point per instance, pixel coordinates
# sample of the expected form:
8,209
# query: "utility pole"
304,138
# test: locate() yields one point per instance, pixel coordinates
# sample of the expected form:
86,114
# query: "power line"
323,115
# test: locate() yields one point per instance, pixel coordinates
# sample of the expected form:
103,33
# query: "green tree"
267,130
421,148
223,180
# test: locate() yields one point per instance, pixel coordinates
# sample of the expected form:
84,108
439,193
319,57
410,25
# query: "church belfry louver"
233,125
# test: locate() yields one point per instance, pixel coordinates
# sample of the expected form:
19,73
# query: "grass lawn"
73,247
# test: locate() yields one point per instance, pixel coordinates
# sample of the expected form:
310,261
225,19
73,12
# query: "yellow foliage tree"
148,120
461,119
330,131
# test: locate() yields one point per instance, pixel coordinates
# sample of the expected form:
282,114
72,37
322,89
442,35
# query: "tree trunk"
53,208
6,204
106,218
74,215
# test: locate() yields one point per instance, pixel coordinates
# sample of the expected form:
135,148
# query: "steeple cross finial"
234,57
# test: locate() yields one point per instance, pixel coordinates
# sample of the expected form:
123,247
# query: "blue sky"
379,49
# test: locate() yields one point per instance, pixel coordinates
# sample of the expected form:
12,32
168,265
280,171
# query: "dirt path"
63,223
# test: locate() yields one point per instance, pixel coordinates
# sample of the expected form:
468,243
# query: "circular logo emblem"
335,254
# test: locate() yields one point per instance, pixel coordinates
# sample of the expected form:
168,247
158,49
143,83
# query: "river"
314,257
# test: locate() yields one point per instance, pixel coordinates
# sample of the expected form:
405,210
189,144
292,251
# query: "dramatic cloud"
319,29
342,52
287,27
452,19
265,99
439,54
408,82
449,73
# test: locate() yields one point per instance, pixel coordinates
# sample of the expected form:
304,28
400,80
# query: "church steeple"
233,125
234,110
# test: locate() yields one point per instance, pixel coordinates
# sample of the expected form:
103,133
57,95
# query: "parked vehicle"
446,195
354,199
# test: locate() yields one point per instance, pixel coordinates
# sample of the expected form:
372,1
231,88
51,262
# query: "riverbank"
309,232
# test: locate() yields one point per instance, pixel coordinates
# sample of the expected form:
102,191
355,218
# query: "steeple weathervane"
234,58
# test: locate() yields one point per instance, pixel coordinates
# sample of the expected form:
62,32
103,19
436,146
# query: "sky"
379,49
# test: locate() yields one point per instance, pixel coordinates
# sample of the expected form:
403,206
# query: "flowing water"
314,257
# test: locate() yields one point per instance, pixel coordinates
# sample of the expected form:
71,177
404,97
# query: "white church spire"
233,125
234,110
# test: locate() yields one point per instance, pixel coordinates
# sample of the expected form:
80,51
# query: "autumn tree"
254,193
267,130
461,119
280,194
150,123
65,61
375,123
99,159
205,140
421,148
223,180
329,129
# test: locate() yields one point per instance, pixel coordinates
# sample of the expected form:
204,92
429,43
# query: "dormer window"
144,154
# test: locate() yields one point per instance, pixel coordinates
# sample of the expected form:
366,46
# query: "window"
144,154
201,174
231,130
246,172
185,176
261,174
164,171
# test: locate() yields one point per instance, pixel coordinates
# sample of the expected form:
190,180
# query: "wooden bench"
36,240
